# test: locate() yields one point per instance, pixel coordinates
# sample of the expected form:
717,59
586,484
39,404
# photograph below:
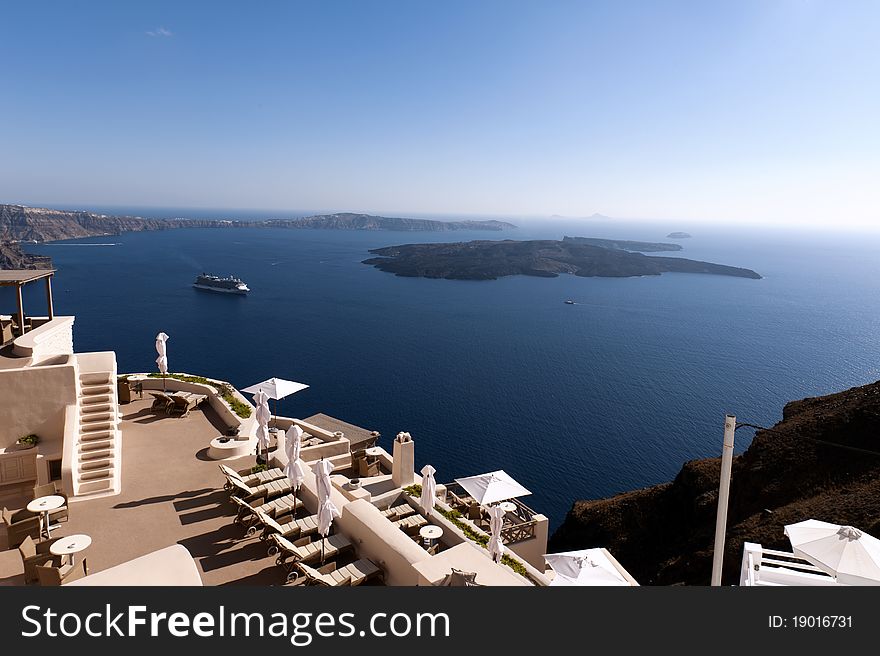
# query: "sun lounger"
305,550
161,402
292,529
399,511
268,490
413,522
352,574
251,480
182,403
247,511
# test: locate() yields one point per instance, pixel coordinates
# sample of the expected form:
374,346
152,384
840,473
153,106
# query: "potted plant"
28,441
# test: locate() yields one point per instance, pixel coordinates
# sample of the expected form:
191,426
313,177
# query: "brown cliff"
798,470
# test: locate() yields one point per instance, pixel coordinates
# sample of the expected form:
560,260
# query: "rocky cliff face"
12,257
19,223
664,534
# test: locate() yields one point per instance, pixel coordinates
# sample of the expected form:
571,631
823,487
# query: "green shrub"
30,440
226,391
258,468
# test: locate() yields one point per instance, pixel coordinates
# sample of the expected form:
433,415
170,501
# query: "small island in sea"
678,235
579,256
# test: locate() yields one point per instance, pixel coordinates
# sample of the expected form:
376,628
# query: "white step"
95,475
108,434
93,417
96,399
90,487
97,378
96,408
97,463
97,454
96,445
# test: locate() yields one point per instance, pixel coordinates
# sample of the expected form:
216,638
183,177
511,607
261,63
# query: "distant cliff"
12,257
664,534
585,257
19,223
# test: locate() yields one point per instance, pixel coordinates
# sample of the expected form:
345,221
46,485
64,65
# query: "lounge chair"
247,511
399,511
182,404
6,329
49,489
19,525
268,490
292,529
33,554
352,574
305,550
251,479
58,574
367,468
411,523
161,402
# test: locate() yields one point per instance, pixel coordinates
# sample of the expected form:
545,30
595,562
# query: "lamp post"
723,496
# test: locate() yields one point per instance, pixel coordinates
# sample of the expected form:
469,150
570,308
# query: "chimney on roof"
403,467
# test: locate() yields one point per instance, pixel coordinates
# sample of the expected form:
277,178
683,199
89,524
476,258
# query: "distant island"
585,257
19,223
678,235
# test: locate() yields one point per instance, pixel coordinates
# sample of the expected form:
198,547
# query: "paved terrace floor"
171,493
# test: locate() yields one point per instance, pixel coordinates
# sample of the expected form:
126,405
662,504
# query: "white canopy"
846,553
429,490
276,388
584,567
496,522
162,350
492,487
261,401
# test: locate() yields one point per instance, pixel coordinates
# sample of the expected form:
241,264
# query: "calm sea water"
575,401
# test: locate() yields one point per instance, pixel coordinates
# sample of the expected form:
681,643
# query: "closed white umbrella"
295,468
327,511
846,553
496,521
492,487
584,567
261,402
429,489
276,388
162,360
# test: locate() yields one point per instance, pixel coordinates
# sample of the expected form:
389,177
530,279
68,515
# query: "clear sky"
745,110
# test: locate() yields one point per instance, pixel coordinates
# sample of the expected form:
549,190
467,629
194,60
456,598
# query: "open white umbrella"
294,469
162,360
846,553
584,567
276,388
429,489
261,402
496,521
327,511
492,487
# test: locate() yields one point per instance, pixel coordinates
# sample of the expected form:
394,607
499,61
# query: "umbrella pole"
723,495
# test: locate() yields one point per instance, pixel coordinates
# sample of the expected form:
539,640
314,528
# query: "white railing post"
723,495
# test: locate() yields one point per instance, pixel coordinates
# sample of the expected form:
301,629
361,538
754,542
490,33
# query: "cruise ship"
228,285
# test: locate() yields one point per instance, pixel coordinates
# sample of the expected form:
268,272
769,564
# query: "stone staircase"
98,449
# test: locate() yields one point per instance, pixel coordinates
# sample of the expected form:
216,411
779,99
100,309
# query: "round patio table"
70,545
44,505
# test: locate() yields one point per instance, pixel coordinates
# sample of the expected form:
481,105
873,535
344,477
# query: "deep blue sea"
575,401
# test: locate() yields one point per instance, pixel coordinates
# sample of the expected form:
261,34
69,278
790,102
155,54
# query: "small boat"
570,302
228,285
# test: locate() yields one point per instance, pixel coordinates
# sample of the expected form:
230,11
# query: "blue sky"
745,111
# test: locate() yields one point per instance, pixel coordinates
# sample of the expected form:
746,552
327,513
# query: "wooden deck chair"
399,511
161,402
295,528
306,550
352,574
268,490
247,510
251,480
412,523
